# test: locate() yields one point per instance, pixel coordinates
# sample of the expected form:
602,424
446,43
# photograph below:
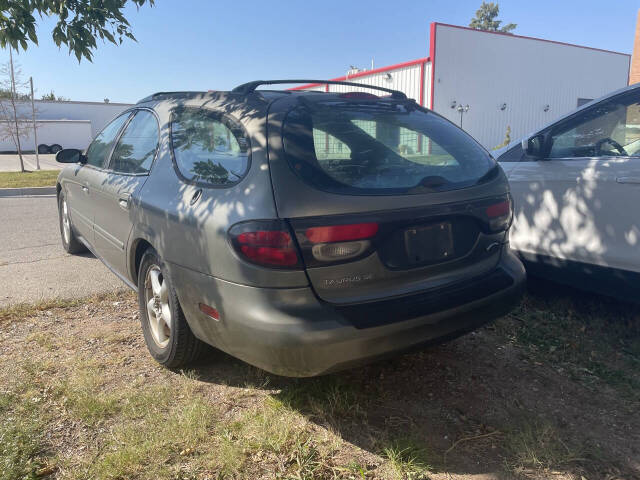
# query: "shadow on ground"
554,387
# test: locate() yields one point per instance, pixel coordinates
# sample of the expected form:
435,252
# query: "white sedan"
576,192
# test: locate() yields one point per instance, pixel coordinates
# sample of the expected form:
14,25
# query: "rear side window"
208,148
381,147
136,149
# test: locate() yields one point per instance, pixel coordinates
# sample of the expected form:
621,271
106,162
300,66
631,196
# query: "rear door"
385,198
578,202
129,168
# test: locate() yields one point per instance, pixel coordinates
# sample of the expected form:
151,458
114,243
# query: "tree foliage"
486,19
79,23
52,97
5,93
16,123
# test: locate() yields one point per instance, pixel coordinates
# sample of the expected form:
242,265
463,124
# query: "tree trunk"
15,112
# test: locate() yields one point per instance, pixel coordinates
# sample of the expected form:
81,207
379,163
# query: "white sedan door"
580,200
583,210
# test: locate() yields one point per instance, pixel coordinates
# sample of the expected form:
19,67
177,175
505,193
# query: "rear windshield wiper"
430,183
490,175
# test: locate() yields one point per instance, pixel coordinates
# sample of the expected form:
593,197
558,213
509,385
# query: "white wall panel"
486,70
67,133
99,114
427,85
406,79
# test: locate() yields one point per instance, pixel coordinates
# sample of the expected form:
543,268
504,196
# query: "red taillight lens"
500,215
266,243
498,209
271,238
341,233
270,255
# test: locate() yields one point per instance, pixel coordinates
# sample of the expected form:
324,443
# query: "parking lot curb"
27,191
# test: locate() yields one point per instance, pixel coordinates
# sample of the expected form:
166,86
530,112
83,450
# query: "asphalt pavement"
33,264
11,162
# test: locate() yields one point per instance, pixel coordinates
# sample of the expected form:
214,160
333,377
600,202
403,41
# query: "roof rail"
165,95
249,87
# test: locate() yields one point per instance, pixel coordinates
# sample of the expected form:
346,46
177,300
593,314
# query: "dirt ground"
551,391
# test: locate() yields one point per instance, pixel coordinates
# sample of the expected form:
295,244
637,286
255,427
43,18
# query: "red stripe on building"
365,73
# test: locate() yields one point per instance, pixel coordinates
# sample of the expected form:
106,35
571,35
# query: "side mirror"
535,146
70,155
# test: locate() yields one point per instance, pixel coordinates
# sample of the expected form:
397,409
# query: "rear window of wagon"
380,147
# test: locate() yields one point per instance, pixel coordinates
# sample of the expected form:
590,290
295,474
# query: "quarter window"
208,148
136,149
98,151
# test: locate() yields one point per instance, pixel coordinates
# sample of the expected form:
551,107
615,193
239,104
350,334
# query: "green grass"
39,178
20,434
74,407
19,311
593,339
327,399
538,446
407,460
155,430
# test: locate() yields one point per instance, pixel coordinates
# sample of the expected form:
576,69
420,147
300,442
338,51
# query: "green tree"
15,112
79,23
52,97
485,19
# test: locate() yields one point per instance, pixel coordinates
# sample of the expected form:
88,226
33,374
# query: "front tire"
70,242
166,331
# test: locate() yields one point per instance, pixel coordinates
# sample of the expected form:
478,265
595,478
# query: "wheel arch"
138,247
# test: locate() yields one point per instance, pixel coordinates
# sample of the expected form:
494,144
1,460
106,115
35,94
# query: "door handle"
124,202
85,189
632,180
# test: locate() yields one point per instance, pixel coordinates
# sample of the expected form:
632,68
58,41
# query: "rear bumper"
290,332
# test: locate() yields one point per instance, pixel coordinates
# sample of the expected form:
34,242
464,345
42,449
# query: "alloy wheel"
66,223
158,309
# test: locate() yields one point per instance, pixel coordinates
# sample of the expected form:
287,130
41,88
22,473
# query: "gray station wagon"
302,232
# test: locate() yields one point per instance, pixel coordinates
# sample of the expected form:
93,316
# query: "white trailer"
69,124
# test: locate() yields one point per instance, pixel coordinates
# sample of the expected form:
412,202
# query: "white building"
67,123
506,80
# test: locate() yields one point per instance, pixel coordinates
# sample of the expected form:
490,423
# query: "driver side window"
98,151
610,128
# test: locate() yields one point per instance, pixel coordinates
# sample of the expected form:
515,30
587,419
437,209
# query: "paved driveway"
11,163
33,265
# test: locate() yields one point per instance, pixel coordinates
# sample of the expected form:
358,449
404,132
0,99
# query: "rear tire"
70,242
166,332
43,149
55,148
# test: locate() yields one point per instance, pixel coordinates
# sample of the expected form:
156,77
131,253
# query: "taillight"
500,215
322,245
341,233
265,242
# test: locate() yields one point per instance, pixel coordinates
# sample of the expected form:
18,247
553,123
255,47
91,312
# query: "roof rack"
249,87
165,95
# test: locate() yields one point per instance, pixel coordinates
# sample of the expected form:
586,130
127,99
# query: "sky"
218,44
